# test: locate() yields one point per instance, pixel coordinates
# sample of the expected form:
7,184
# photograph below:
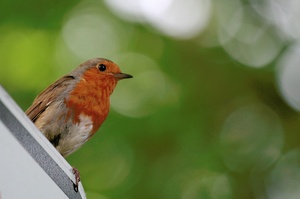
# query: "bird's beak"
120,76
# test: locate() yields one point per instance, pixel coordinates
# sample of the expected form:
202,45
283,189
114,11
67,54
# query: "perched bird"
72,109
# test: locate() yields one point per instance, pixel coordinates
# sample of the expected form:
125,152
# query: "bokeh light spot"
288,76
284,180
126,9
183,19
154,8
89,33
283,14
176,18
247,39
251,138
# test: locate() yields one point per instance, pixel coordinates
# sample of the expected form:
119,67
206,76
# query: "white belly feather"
77,135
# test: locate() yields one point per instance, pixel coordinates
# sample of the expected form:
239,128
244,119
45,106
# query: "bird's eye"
102,67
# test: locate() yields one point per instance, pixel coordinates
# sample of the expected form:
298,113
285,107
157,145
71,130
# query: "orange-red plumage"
91,97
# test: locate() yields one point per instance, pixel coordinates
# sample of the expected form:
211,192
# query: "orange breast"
90,97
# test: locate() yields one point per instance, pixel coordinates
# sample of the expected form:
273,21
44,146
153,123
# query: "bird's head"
102,72
104,68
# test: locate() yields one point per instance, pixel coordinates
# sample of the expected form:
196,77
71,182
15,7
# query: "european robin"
71,110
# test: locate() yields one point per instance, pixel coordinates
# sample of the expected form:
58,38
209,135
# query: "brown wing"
45,98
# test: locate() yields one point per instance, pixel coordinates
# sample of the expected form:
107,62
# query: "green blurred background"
212,110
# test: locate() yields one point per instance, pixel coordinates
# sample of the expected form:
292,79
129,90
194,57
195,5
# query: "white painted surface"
20,175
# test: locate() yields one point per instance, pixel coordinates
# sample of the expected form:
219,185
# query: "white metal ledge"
30,167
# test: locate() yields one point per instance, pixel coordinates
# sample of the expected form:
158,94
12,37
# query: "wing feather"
45,98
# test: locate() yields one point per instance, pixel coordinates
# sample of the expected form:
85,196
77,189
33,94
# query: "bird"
72,109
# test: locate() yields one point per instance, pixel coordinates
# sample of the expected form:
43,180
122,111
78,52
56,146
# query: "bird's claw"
77,178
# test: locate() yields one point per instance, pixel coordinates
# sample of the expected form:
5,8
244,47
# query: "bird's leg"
77,178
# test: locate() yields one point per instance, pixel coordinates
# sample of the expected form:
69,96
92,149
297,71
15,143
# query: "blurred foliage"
212,110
